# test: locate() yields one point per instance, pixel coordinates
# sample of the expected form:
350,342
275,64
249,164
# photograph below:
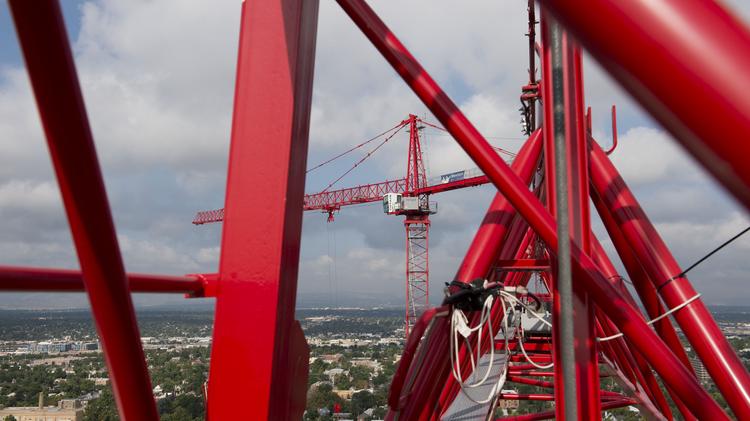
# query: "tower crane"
407,197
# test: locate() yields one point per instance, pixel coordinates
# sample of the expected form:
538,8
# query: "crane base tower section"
417,273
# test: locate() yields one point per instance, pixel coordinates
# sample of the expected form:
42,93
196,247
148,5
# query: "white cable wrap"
656,319
459,325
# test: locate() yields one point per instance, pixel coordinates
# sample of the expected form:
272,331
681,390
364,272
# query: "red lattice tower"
259,354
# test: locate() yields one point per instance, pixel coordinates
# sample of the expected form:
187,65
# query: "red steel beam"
549,397
548,415
537,358
487,242
527,396
508,183
259,356
36,279
353,195
698,55
528,346
513,246
366,193
522,265
648,297
640,280
410,349
696,321
49,61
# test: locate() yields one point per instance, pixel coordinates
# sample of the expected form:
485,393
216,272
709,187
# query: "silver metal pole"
564,276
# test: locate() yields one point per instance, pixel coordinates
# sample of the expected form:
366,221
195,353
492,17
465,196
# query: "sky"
158,76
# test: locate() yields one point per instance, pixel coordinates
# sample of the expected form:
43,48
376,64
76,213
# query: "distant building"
91,346
345,394
366,362
66,410
333,373
700,370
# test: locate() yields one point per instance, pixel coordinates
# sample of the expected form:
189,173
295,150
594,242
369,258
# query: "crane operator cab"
393,203
398,204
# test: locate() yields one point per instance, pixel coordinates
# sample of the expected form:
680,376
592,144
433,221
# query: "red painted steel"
485,247
494,232
548,415
647,295
576,157
527,396
633,360
698,54
417,268
35,279
529,345
416,176
44,42
333,200
522,265
696,321
614,131
259,356
626,318
407,356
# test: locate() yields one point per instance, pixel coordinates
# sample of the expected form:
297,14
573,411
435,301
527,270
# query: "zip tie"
656,319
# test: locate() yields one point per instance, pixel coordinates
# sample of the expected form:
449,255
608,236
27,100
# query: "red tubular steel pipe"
408,355
640,369
532,382
642,283
647,294
531,373
63,280
549,397
527,396
537,358
698,56
487,242
550,385
49,61
696,321
548,415
512,239
477,147
426,384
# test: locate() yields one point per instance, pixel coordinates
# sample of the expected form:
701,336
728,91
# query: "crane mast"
417,224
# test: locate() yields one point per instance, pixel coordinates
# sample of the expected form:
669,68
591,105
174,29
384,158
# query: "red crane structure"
408,196
534,252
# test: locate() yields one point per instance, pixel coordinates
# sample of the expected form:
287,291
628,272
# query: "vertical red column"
259,356
587,371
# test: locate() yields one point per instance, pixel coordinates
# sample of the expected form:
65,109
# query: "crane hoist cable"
367,155
399,125
434,126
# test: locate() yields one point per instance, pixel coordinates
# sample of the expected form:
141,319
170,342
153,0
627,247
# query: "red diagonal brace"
696,321
49,61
